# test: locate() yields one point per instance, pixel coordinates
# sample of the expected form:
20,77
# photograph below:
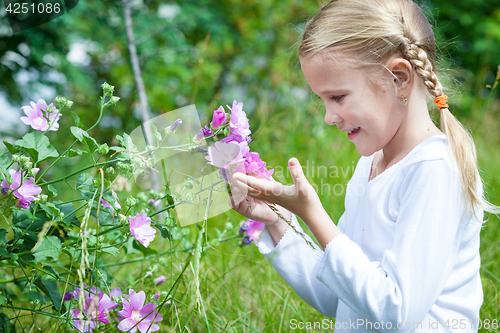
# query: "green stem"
34,311
78,171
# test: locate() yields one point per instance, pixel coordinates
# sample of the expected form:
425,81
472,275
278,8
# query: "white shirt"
408,257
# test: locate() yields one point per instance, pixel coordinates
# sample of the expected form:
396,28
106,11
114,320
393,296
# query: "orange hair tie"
440,101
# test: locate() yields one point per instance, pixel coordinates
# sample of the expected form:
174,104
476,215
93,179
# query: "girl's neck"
416,127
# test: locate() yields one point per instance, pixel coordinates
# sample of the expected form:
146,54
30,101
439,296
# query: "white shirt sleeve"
404,285
298,265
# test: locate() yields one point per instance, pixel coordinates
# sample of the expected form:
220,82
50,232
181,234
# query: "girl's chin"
365,151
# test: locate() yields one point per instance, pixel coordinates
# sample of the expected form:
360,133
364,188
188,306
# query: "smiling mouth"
352,130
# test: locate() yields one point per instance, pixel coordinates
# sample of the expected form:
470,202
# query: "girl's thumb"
296,172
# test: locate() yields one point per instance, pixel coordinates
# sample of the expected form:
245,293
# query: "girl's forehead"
336,65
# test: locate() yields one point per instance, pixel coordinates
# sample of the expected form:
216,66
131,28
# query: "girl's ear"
402,71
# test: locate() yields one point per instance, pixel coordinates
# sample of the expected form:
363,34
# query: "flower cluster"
232,152
98,309
24,190
252,229
41,117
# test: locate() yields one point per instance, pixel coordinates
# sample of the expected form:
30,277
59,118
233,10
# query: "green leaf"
110,249
84,185
51,269
11,148
2,300
4,163
78,152
5,253
126,141
77,120
51,210
51,247
69,217
52,190
38,146
164,232
33,295
3,240
49,288
81,135
156,133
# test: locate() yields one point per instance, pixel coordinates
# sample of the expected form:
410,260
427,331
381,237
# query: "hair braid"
423,66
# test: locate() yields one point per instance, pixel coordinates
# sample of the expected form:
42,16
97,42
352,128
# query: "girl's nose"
332,118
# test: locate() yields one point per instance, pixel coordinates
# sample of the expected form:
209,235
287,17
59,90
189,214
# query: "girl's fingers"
260,185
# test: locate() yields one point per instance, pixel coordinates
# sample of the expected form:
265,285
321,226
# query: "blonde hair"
373,31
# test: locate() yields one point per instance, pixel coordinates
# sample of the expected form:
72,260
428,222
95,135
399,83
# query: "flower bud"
34,171
111,171
131,201
114,99
43,198
16,158
228,226
63,102
103,149
28,165
107,89
123,218
24,159
188,183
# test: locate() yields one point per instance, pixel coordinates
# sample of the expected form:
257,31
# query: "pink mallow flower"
253,164
135,313
38,117
239,122
95,309
160,279
252,229
25,190
219,117
140,228
223,154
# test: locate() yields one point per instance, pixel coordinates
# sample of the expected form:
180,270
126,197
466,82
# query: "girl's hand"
300,198
255,209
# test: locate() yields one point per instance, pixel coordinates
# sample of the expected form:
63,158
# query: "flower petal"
126,324
137,300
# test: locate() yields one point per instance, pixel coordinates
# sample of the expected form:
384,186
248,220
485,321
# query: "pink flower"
95,309
117,292
253,164
24,191
173,127
157,295
236,138
106,204
219,117
239,121
160,279
140,228
136,313
223,154
252,229
38,117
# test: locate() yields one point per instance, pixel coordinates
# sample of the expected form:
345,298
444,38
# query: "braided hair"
372,31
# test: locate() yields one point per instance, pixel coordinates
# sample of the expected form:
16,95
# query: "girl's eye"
337,98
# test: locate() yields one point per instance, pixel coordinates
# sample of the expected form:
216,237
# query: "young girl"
404,255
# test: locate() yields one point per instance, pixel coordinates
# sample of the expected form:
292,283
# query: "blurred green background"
209,53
